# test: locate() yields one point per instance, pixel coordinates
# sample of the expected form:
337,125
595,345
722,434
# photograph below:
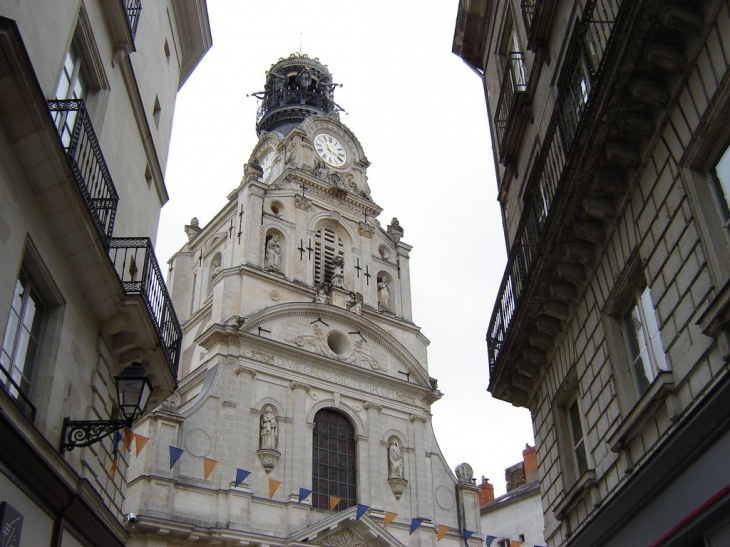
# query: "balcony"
123,19
136,265
512,107
87,163
545,188
536,16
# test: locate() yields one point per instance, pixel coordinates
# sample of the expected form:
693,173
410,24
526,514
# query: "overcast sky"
419,113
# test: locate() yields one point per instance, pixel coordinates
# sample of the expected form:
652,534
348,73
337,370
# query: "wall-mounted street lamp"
133,392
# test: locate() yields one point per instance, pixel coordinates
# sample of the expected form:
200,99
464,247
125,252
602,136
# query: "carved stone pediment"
344,537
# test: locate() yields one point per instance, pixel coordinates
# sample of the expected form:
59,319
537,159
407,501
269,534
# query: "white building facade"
305,396
87,94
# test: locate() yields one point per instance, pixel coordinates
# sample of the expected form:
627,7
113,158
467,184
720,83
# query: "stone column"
404,282
371,489
295,472
253,233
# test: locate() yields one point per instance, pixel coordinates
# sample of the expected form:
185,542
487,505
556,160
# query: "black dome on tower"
296,88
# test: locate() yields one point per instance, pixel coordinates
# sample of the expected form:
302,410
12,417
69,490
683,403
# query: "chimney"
529,457
486,492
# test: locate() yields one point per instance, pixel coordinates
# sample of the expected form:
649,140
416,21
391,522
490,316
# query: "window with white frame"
575,459
721,186
22,338
577,438
72,85
643,341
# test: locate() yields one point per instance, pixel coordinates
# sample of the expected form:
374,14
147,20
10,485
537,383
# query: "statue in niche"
273,254
304,79
216,269
383,294
395,460
269,434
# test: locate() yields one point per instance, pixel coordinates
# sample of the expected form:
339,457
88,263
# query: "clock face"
267,163
330,150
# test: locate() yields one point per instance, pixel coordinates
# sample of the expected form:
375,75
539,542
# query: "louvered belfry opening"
327,246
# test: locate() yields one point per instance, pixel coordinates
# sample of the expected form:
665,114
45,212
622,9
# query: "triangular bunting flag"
467,535
415,523
515,543
273,487
490,540
208,466
115,462
442,528
361,510
334,500
140,441
116,439
389,517
175,454
303,494
241,475
128,438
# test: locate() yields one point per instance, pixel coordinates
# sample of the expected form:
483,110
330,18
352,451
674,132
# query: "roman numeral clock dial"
330,150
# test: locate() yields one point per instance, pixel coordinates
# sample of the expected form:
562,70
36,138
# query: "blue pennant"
415,523
241,475
175,454
490,539
303,494
361,510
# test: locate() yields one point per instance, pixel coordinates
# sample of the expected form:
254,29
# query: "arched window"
327,245
334,469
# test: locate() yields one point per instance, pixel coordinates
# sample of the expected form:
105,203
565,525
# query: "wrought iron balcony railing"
134,10
583,73
513,83
135,262
16,391
87,163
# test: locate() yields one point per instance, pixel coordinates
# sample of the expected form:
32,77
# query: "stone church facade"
304,380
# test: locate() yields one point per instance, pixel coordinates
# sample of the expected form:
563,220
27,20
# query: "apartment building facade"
87,95
609,123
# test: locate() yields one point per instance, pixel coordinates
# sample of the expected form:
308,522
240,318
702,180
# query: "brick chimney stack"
486,492
529,457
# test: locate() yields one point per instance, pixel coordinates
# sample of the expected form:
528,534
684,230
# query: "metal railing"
9,384
134,10
513,82
291,97
87,163
136,265
584,65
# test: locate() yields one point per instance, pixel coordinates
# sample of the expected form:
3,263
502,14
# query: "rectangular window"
72,85
22,338
643,341
576,438
721,186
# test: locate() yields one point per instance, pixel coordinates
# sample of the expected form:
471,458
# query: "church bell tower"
303,375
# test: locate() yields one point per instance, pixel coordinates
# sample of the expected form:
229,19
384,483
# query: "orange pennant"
115,462
140,442
334,500
389,517
209,465
273,487
515,543
128,438
442,531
